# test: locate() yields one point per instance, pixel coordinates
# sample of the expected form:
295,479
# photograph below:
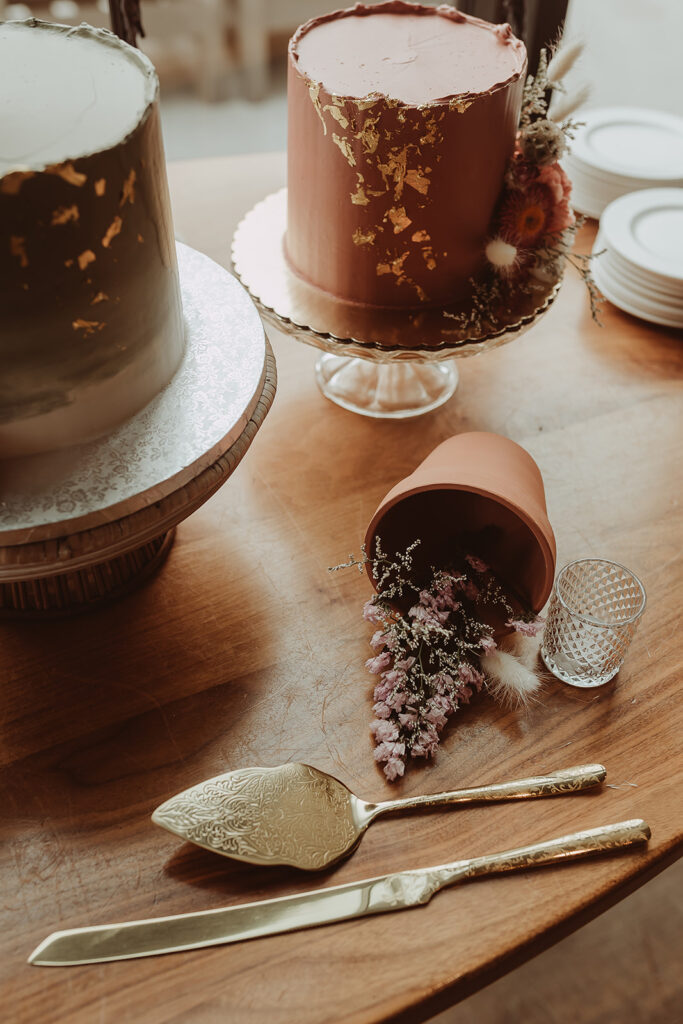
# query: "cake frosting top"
409,52
67,92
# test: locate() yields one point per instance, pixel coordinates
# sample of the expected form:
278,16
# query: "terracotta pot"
478,493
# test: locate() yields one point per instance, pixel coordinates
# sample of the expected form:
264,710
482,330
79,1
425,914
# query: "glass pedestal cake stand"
388,364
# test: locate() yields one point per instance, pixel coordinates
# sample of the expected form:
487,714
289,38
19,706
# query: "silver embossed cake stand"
388,364
86,524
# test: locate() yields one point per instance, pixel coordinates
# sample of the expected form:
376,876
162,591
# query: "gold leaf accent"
345,147
314,93
337,114
100,297
128,192
11,183
459,105
63,214
68,173
418,180
87,326
428,257
420,236
68,263
140,238
367,134
86,257
100,186
359,198
399,218
361,237
112,231
394,170
366,103
17,246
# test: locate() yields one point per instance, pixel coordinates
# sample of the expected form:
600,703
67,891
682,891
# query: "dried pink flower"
371,613
488,644
381,709
404,664
383,730
532,628
394,768
379,663
378,640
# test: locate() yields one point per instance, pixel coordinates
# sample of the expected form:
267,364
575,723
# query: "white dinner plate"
625,300
631,142
646,229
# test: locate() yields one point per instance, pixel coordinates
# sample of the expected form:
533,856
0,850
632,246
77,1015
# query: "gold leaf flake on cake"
361,237
366,103
345,147
100,297
420,236
11,183
428,257
63,214
67,172
399,218
359,198
100,186
417,179
337,114
140,238
112,231
367,134
128,191
394,170
314,93
459,104
87,326
17,246
397,268
86,257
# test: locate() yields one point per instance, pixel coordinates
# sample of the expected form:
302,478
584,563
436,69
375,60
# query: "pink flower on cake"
554,178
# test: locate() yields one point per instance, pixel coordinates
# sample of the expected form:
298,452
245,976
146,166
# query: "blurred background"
222,63
222,66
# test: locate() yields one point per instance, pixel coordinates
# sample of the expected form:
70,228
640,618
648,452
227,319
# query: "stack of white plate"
641,268
620,150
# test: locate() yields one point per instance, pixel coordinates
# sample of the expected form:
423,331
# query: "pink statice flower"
487,644
405,664
532,628
378,641
387,749
426,742
384,731
394,768
378,663
381,709
407,718
476,563
469,675
371,613
397,700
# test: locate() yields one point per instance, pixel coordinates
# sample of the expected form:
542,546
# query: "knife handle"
568,780
576,844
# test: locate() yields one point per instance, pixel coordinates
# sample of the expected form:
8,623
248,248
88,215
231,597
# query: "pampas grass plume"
563,60
560,109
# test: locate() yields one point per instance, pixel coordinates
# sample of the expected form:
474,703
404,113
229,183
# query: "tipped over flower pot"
477,493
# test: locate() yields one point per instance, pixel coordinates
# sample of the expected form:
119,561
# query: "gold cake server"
297,815
308,909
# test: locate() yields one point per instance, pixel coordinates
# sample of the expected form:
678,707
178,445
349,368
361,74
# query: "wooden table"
243,650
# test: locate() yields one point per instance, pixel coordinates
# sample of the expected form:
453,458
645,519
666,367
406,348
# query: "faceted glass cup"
594,611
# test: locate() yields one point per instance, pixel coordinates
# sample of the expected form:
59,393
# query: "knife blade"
100,943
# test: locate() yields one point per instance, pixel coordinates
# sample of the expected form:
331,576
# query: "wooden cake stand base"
84,526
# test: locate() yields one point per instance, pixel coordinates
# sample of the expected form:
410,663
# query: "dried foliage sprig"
429,660
535,224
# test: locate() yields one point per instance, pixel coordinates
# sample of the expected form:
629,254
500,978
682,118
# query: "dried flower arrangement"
535,226
435,657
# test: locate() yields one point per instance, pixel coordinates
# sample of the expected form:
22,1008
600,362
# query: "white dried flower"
503,256
542,142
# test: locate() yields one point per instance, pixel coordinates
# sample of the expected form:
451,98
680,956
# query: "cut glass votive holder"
594,611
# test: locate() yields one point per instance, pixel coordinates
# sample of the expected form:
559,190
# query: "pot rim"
531,522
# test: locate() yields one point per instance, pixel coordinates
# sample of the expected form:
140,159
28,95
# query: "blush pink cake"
402,119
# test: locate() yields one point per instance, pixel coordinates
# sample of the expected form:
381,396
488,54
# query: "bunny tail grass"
508,680
563,60
562,107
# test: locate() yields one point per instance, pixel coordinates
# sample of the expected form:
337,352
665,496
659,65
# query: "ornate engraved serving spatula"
295,814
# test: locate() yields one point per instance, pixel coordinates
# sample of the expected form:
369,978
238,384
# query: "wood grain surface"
243,650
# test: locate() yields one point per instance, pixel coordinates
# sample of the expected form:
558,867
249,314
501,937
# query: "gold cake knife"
323,906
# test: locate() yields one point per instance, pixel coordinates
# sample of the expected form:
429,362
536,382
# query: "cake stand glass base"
394,391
